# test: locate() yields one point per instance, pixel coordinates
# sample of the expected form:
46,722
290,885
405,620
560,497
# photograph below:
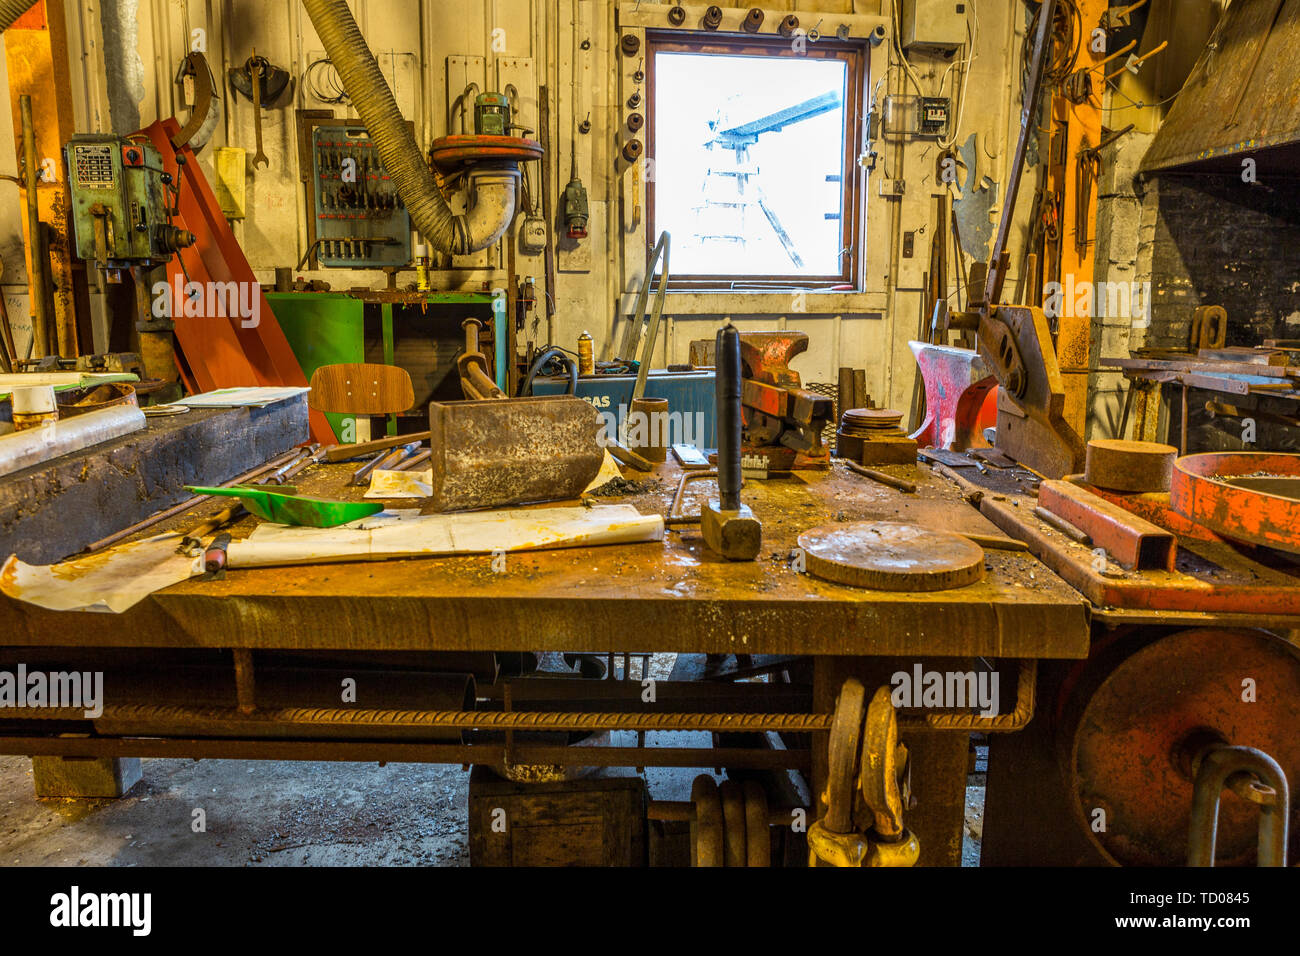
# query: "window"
754,148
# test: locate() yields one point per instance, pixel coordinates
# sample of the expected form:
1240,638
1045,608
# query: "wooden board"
892,556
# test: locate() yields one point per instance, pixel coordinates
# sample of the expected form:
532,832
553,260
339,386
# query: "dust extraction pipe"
493,189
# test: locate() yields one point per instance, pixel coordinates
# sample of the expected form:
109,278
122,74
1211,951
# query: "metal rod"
40,316
189,503
727,396
405,752
149,718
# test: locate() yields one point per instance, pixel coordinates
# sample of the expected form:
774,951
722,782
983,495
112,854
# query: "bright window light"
749,163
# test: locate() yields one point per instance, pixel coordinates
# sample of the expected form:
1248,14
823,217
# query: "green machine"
121,208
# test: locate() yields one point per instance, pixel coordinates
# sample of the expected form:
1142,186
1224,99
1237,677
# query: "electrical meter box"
934,24
121,199
361,222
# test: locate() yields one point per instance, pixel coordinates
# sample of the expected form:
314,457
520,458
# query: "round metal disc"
891,556
471,147
758,838
1122,465
1135,735
734,848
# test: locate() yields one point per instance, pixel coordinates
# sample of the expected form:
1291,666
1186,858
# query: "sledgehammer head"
736,535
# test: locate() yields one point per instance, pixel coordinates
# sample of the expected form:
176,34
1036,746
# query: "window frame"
853,185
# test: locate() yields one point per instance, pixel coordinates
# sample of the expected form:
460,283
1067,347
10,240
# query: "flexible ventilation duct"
11,10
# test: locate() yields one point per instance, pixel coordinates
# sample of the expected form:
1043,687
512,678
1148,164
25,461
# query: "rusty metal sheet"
495,452
671,595
1243,94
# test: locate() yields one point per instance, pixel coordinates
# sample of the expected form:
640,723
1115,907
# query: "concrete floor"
258,813
275,813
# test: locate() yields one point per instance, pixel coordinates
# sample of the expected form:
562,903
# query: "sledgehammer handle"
727,396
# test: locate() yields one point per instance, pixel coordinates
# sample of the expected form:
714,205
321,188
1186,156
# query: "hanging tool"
257,70
195,67
263,84
284,508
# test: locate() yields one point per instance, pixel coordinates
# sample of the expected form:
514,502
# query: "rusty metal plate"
891,556
496,452
1133,738
1204,490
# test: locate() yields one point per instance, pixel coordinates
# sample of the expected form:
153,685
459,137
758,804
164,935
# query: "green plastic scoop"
284,508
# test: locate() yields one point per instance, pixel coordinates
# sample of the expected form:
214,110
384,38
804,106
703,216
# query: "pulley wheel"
890,556
758,838
1133,732
733,823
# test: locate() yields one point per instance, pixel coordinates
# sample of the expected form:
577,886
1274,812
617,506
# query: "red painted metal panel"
219,349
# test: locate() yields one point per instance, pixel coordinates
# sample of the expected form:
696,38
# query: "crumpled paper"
108,581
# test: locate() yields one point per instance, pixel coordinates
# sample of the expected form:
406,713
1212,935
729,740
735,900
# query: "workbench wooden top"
670,595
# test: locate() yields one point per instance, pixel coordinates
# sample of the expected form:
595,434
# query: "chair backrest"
361,389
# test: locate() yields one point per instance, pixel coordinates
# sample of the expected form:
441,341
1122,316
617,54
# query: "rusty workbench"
661,596
668,596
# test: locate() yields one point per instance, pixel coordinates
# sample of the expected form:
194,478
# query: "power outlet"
894,188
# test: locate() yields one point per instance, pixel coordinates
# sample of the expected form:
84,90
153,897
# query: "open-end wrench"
257,68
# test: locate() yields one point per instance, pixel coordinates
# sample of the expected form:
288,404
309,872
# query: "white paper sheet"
111,580
408,534
253,397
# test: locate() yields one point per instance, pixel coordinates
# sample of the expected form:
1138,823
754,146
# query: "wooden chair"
361,389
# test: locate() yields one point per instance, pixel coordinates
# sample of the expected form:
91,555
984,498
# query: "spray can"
422,267
586,354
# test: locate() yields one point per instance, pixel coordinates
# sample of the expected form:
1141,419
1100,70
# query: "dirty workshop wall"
428,50
1126,220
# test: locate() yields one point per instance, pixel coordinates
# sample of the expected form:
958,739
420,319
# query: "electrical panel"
120,202
906,115
934,24
361,222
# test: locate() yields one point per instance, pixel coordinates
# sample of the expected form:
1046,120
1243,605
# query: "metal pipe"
727,397
132,719
407,751
40,314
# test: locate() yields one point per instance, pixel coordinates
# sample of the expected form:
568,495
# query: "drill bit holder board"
361,221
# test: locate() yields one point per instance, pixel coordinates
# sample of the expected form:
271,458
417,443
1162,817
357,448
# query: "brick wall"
1220,241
